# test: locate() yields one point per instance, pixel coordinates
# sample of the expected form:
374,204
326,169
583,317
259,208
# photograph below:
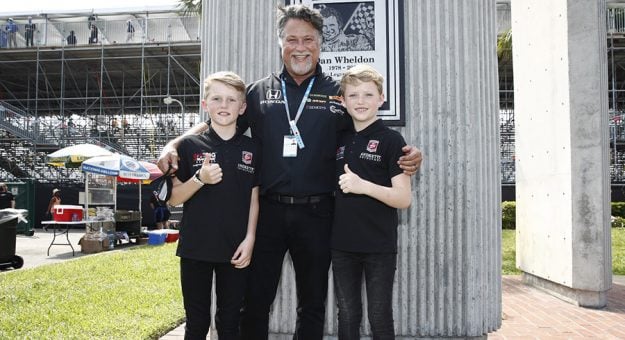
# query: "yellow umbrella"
73,156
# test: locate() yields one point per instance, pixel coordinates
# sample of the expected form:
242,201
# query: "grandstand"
615,24
107,91
55,94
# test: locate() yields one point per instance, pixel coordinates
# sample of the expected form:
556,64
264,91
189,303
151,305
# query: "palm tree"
504,46
190,7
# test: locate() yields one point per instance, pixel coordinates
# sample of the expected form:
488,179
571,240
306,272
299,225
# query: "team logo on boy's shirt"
247,157
198,158
340,152
372,146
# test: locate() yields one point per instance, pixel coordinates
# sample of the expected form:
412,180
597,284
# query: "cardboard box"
93,246
127,215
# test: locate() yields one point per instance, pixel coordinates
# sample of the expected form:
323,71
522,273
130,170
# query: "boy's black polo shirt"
312,171
363,224
215,218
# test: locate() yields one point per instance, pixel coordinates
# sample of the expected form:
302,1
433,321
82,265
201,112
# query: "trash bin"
8,237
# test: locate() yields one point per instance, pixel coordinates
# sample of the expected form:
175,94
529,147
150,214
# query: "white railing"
615,20
108,32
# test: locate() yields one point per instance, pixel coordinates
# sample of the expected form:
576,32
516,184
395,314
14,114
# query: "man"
11,29
71,39
30,32
297,176
130,31
7,200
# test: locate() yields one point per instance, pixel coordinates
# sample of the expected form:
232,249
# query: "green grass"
508,253
508,265
132,294
618,251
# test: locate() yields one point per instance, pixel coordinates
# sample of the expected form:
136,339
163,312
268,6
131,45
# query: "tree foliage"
504,46
190,7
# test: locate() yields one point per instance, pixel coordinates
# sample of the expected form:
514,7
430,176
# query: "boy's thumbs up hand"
350,182
210,173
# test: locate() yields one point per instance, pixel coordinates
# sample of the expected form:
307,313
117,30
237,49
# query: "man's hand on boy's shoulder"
169,157
410,162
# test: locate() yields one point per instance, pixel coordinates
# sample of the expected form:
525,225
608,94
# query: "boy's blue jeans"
379,272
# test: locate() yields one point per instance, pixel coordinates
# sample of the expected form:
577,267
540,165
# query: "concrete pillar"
562,167
448,280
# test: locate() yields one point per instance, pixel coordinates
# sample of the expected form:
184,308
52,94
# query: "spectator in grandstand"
71,39
171,127
91,20
335,39
36,123
30,32
125,124
130,31
71,127
114,125
7,200
11,29
93,39
161,211
160,126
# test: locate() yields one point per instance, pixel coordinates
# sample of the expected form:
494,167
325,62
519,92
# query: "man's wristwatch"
196,178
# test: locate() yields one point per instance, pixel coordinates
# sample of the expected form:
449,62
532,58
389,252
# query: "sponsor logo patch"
372,146
246,157
273,94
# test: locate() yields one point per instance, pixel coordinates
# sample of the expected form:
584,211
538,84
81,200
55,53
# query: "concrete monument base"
578,297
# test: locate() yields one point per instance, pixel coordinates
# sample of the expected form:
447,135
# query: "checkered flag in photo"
363,18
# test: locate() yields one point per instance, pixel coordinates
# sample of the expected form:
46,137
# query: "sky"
48,6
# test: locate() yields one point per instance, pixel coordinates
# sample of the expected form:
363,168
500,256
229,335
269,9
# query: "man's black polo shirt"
215,218
361,223
312,170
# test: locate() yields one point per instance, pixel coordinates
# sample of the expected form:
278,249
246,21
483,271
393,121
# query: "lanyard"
293,123
301,105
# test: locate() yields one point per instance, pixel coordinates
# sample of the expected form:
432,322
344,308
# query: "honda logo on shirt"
273,94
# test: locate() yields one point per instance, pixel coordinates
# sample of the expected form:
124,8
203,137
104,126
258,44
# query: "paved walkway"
34,249
530,313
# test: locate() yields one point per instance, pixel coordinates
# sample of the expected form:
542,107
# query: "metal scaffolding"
107,91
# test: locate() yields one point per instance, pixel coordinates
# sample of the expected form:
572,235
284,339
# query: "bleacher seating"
142,138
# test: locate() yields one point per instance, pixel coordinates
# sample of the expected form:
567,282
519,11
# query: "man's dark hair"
300,12
327,12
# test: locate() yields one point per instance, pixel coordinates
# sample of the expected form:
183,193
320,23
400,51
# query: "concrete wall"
448,281
560,82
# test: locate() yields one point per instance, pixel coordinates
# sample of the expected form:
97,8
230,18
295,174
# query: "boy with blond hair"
217,180
372,188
